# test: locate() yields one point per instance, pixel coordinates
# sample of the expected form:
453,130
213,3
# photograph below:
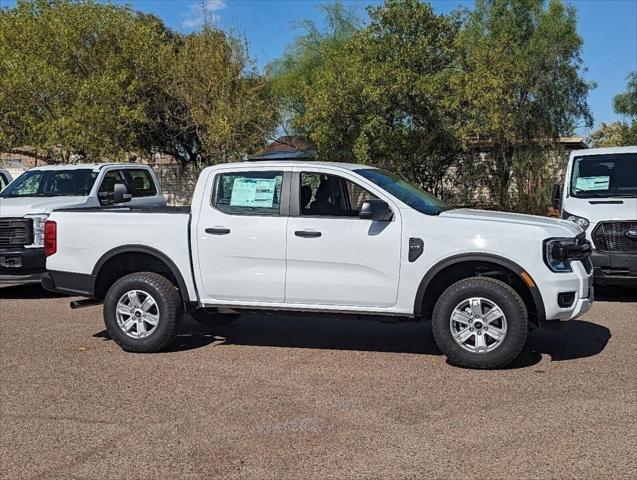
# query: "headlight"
558,252
582,222
39,219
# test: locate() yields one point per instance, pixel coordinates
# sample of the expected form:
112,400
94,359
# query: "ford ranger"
322,237
27,202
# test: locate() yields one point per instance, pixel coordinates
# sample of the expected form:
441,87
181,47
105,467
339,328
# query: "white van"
600,195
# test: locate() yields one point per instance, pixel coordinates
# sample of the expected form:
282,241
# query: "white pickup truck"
27,202
322,237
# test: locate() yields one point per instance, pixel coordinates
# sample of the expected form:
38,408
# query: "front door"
241,237
334,257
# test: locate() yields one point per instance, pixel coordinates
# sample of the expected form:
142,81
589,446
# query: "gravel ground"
304,397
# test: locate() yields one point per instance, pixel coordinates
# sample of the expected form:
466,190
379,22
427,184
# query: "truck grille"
614,237
16,232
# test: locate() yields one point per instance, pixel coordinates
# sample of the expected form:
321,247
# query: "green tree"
617,134
378,97
293,73
518,83
217,107
79,77
626,103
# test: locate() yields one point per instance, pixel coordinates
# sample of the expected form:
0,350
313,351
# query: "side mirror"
375,209
118,195
557,196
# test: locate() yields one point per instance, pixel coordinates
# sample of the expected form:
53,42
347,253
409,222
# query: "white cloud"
202,11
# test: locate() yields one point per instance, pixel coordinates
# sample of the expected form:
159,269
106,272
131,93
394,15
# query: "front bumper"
24,265
579,282
614,268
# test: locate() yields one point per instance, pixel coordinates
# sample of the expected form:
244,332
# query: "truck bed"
86,236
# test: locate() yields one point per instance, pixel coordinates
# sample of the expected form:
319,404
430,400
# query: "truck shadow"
31,291
578,339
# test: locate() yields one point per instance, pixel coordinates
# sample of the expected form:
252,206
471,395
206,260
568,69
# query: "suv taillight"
50,238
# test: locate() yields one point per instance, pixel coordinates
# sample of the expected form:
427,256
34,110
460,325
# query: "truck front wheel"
480,322
142,312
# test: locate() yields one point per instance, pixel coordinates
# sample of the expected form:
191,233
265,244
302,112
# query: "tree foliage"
617,134
421,93
103,81
518,82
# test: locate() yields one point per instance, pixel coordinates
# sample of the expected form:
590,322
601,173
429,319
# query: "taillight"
50,238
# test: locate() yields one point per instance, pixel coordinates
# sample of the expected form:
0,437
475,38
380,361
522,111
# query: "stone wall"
178,182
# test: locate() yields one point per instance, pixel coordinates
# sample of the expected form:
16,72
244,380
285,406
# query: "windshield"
404,191
613,175
51,183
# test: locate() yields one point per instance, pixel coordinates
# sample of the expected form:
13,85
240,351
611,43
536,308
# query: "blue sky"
609,29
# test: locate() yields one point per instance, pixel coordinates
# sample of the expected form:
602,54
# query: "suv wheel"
480,322
142,312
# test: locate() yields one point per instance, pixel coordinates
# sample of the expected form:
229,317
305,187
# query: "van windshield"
612,175
51,183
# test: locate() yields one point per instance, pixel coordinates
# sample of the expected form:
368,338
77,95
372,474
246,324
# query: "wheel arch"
423,304
106,260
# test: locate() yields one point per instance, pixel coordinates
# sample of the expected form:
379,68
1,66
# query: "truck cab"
28,201
600,195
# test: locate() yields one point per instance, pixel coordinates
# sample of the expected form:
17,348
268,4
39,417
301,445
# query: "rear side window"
140,183
248,193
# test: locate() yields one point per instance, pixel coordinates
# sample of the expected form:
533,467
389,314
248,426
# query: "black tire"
494,291
169,308
212,318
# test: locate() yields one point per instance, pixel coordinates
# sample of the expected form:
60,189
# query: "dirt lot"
295,397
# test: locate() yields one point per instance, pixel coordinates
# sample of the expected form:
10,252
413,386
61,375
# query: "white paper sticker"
592,183
253,192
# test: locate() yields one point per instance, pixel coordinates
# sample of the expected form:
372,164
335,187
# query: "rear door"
335,257
241,236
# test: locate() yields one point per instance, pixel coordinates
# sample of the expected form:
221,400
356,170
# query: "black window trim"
284,205
295,196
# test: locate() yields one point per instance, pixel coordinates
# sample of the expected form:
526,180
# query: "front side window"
330,195
248,193
404,191
51,183
613,175
3,181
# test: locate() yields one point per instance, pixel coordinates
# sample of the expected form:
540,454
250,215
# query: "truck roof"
91,166
603,151
248,164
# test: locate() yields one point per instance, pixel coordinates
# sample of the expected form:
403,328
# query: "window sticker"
253,192
592,183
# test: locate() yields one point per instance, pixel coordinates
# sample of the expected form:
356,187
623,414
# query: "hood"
597,210
21,206
557,227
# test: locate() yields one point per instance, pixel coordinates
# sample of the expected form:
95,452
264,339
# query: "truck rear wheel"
480,322
142,312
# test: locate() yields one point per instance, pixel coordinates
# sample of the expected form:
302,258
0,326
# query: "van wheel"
211,318
142,312
480,322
